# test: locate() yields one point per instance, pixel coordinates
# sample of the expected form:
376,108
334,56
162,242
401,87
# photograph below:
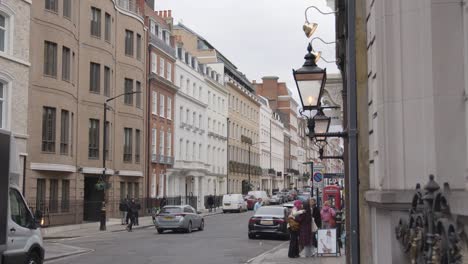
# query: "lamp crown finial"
309,48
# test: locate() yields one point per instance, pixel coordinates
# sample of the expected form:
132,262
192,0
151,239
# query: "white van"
261,194
20,236
234,203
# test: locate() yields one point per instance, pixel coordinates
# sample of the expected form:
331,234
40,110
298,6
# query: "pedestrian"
132,209
328,216
210,202
317,219
137,213
123,208
258,204
305,232
162,203
294,226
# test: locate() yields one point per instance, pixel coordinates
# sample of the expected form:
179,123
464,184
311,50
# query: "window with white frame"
200,121
181,147
187,116
4,32
162,105
194,119
169,143
153,63
154,103
161,142
153,143
161,66
169,72
169,108
3,104
181,112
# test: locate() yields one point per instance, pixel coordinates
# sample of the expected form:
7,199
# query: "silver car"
178,218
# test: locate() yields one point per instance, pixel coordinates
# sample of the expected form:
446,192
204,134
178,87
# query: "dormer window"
193,62
179,53
186,58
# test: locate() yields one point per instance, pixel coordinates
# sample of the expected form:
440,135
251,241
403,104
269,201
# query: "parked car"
234,203
288,206
283,196
276,199
269,220
251,200
179,218
261,194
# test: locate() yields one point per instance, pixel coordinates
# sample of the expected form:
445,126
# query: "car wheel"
189,228
202,225
251,236
33,258
160,231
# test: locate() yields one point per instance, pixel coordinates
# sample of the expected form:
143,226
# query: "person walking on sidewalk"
305,232
132,210
317,219
294,226
210,202
123,208
138,207
258,204
328,216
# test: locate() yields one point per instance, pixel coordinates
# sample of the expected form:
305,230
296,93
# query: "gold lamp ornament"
309,28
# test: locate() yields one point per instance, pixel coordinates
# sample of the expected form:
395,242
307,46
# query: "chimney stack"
169,13
165,13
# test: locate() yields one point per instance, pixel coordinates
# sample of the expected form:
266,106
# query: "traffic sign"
318,176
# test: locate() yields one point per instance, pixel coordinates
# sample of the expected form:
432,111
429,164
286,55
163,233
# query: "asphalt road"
224,240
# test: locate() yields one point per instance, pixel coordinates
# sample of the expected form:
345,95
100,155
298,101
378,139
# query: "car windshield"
171,210
270,211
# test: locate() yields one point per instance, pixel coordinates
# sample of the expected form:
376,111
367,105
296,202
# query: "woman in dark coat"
305,233
317,218
294,234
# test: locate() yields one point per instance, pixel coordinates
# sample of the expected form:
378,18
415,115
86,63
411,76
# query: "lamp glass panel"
310,91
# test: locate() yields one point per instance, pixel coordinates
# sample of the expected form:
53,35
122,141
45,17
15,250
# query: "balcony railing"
162,45
130,6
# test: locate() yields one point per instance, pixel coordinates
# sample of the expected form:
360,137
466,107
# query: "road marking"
266,252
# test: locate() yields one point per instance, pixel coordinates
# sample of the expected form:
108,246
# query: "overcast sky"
261,37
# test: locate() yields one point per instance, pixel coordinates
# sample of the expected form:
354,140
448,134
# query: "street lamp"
321,125
310,81
250,145
102,226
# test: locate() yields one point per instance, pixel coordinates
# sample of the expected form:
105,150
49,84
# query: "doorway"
93,199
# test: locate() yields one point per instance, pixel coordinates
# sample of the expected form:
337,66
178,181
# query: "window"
161,142
3,32
200,121
138,55
94,77
127,156
20,213
199,151
96,22
50,58
209,122
122,190
169,143
138,94
40,194
53,196
137,190
187,116
181,112
128,86
107,27
200,95
67,8
3,105
107,141
153,28
48,129
161,66
128,42
107,81
71,133
153,143
181,148
137,145
64,132
194,118
65,207
66,64
130,189
169,72
154,101
51,5
209,98
153,63
169,108
93,146
161,105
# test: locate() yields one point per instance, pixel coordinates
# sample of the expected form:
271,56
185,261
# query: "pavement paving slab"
57,251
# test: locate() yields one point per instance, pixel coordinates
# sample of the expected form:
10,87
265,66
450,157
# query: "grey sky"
261,37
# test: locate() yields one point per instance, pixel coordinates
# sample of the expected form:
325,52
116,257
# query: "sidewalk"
92,229
279,255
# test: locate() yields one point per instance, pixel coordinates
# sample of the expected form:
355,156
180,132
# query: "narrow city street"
224,240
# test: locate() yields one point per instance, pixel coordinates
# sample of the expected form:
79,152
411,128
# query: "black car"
269,220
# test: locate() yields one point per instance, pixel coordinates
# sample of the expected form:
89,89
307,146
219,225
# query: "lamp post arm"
115,97
320,11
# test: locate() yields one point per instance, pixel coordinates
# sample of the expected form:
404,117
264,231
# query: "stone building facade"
85,52
14,74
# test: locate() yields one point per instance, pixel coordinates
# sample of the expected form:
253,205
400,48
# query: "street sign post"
318,176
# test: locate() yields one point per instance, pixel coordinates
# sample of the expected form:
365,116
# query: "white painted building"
265,116
191,167
277,151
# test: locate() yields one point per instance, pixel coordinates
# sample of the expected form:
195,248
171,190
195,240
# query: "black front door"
93,199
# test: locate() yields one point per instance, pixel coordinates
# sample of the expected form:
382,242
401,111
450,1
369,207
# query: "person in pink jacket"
328,216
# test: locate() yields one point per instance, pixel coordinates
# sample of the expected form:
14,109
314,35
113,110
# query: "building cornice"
129,173
194,100
13,59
